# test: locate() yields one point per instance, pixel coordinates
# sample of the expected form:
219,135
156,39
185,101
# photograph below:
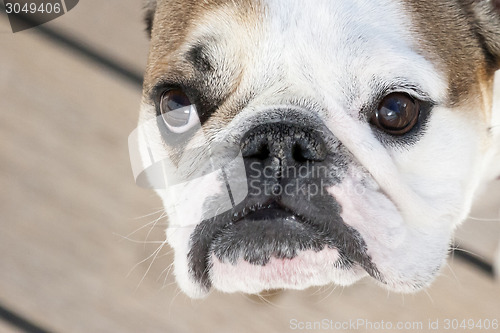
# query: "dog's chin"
275,249
268,247
308,268
253,255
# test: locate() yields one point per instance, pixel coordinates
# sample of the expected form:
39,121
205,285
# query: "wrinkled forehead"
181,25
345,44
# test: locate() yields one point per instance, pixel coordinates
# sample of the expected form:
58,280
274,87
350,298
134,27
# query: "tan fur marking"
448,39
174,20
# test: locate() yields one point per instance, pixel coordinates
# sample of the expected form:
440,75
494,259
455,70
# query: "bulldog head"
300,143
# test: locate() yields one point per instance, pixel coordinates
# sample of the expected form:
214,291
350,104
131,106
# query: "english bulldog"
300,143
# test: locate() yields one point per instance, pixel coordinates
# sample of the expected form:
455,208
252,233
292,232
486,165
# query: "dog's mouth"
271,210
258,234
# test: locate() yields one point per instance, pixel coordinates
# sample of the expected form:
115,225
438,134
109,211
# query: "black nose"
291,144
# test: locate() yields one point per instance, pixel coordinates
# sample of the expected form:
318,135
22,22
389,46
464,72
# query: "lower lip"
269,214
309,268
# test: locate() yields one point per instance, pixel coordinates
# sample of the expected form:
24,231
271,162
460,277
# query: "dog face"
353,134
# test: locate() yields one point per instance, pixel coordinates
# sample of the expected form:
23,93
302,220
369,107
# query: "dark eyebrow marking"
198,57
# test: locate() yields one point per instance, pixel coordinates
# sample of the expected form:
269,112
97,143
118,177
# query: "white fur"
307,269
411,198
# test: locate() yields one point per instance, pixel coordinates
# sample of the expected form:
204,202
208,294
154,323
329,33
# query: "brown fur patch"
173,21
449,38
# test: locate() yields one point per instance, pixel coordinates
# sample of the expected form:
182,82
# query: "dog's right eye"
177,110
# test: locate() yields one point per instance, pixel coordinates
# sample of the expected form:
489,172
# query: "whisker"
248,298
150,214
319,291
456,248
137,241
167,274
483,219
333,288
164,214
142,261
452,273
342,291
429,295
140,228
178,292
165,254
166,285
269,302
474,259
151,263
168,267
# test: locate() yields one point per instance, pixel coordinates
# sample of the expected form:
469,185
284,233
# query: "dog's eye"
397,114
176,110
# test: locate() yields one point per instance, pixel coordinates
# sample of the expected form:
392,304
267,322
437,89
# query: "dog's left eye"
397,114
177,110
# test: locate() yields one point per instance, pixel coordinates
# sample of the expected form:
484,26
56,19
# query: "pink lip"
306,269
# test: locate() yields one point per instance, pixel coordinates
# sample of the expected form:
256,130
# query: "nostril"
308,150
260,152
298,153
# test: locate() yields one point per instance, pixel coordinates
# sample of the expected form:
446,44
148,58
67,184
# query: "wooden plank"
5,328
11,321
113,27
480,234
67,190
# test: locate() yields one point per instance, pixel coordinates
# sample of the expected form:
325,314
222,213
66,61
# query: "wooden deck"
74,225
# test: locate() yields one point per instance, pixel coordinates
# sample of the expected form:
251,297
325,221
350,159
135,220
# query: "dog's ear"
487,21
150,9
